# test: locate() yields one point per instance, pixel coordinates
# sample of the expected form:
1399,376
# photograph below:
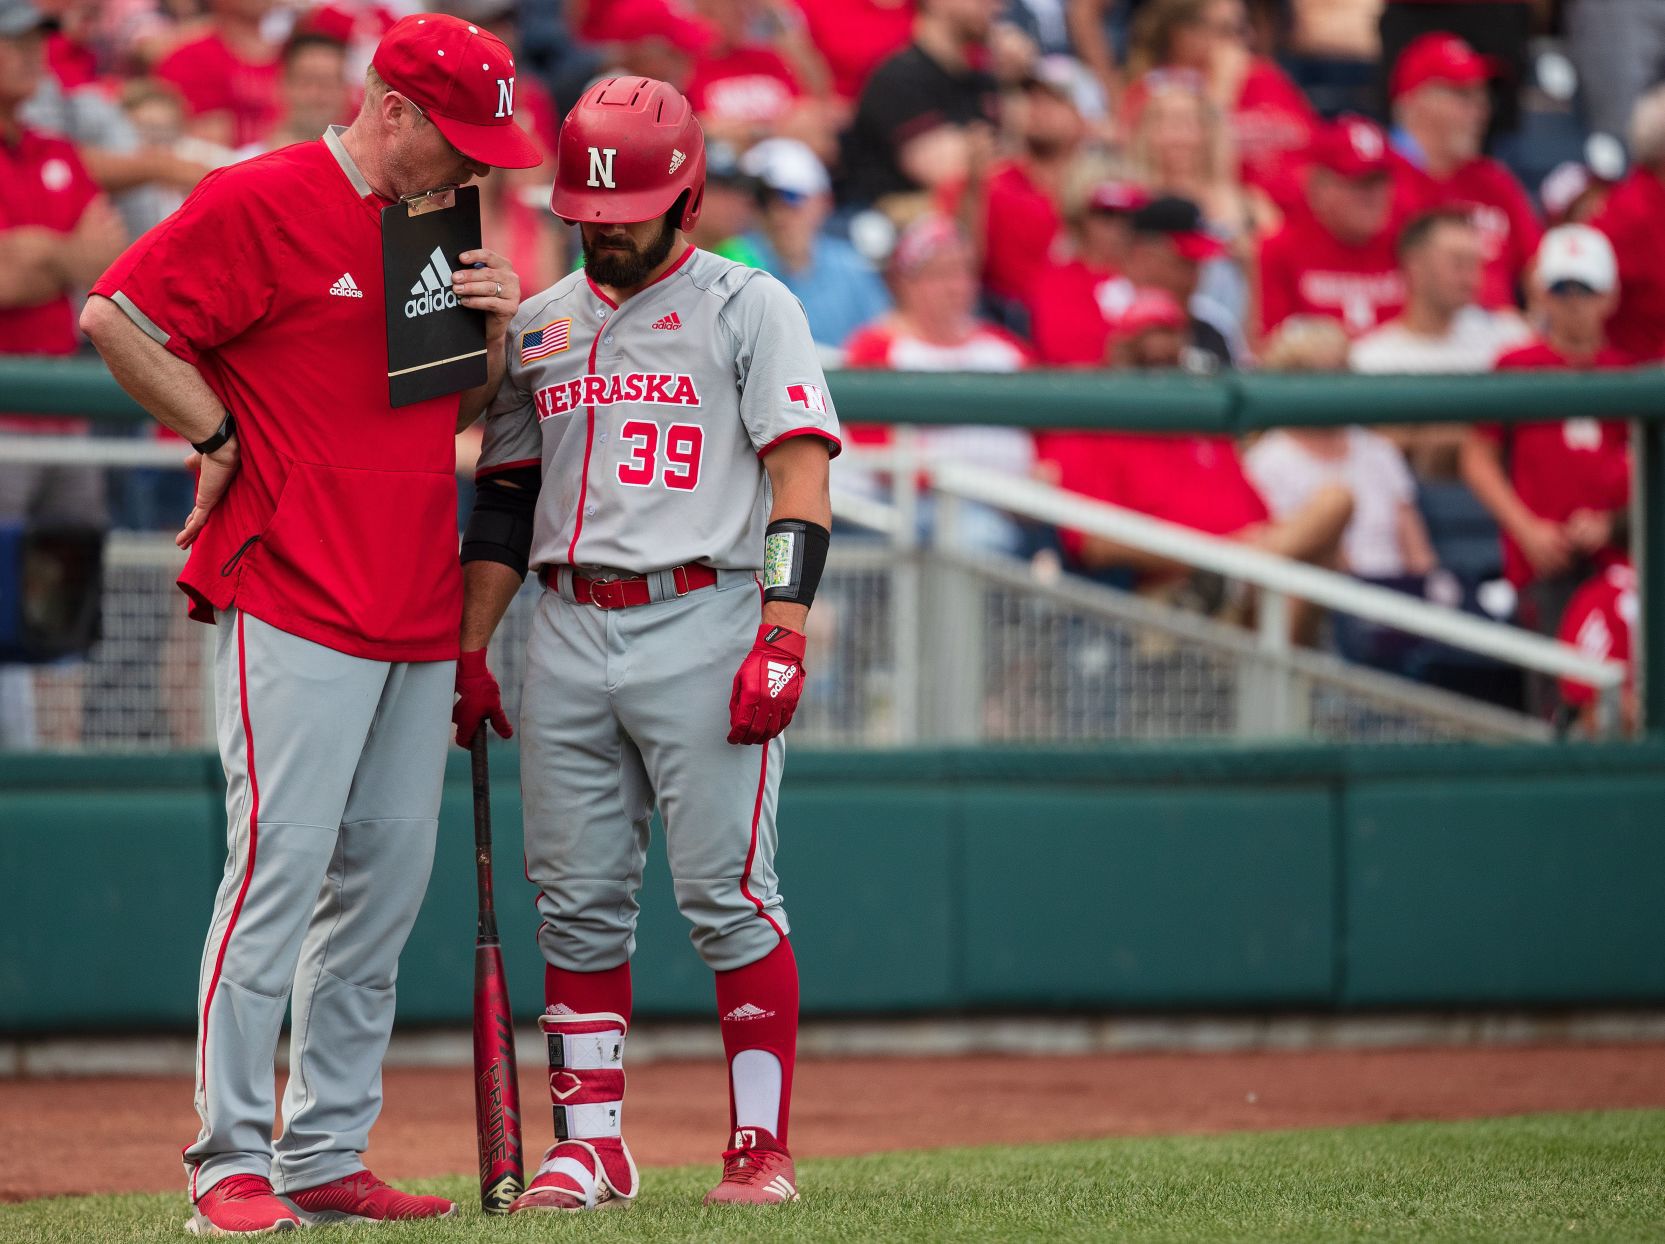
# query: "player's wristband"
222,434
794,555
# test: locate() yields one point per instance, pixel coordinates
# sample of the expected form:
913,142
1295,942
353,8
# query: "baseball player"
661,438
323,547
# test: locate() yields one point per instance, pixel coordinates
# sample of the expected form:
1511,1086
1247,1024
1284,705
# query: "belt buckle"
606,593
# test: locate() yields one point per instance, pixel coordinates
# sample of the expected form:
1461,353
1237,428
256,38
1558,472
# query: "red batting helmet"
629,149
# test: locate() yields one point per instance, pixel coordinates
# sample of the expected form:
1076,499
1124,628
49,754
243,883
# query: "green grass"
1578,1176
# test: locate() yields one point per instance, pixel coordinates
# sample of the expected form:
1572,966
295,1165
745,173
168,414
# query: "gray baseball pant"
334,766
625,708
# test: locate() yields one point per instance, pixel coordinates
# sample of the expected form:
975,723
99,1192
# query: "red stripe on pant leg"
751,850
248,868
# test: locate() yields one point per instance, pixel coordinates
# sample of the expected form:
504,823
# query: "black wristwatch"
222,434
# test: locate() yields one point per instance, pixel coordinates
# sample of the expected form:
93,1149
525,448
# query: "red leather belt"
628,591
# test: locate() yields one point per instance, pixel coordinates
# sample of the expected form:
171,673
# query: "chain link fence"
906,648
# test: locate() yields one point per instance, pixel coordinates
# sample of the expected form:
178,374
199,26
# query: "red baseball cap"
1440,57
1117,196
1150,309
463,79
1351,147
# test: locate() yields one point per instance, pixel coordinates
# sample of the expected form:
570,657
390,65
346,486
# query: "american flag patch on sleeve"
552,338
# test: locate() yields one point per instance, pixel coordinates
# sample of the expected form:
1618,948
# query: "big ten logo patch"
658,388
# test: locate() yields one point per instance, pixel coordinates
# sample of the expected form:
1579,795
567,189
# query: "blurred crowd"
1383,186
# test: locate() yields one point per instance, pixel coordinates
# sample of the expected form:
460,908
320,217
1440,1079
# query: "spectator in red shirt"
1271,121
1180,146
761,77
1631,219
1073,301
1021,215
228,75
1599,620
1440,110
1336,256
1193,479
1559,491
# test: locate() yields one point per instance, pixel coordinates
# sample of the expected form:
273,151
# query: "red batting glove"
767,686
478,699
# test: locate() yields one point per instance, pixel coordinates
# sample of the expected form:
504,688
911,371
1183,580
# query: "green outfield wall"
1138,878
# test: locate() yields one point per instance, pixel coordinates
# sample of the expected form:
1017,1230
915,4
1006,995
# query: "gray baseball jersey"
650,420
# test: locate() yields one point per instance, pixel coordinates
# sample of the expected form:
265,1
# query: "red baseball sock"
586,993
759,1008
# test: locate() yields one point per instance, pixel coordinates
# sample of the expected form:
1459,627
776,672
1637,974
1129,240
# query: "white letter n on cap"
601,166
505,97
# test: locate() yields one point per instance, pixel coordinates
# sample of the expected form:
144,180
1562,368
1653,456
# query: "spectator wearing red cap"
1559,491
253,322
1500,29
1171,248
1335,256
1631,220
935,327
761,77
1271,122
927,115
1440,111
228,74
1074,300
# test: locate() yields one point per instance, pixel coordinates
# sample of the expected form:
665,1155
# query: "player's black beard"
628,269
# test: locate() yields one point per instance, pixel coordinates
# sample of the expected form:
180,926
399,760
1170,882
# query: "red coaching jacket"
341,525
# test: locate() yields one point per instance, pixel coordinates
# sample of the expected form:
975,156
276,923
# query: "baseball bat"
496,1091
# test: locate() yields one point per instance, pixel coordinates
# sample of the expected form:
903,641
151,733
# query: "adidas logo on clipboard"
433,291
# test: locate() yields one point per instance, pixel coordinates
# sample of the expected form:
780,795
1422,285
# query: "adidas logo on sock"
560,1008
346,287
433,292
670,322
780,673
747,1011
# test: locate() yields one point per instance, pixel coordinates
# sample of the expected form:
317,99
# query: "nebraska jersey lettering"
651,442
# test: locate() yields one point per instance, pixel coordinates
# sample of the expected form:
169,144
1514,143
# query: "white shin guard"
586,1089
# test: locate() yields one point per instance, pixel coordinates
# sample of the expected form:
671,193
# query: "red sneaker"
361,1197
757,1170
241,1205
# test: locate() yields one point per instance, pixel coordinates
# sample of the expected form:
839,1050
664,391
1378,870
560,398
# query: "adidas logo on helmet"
433,292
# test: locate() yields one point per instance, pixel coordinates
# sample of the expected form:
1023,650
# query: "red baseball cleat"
757,1170
361,1197
241,1205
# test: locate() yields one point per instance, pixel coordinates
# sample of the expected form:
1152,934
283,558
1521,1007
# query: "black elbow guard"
500,525
794,555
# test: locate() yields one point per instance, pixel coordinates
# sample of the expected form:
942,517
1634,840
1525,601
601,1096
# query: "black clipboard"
434,345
